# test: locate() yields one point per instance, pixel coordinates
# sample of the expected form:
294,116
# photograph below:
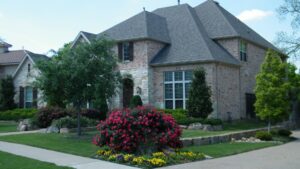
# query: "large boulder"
24,125
52,129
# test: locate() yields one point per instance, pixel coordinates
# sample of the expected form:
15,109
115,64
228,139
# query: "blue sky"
40,25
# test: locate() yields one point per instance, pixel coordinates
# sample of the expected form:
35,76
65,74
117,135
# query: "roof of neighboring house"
2,43
144,25
189,33
15,57
219,23
89,36
12,57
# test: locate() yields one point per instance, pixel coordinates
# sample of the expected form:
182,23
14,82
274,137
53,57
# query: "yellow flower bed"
157,162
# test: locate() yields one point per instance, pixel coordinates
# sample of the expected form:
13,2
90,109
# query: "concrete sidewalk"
286,156
23,132
58,158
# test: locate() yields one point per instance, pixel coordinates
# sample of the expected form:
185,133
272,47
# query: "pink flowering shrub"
133,130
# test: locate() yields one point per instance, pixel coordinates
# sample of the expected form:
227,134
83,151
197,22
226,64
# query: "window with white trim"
28,97
243,51
176,88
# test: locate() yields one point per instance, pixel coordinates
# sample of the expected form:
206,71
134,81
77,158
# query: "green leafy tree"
199,103
86,72
136,101
272,87
7,93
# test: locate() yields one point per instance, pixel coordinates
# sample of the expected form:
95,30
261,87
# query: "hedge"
17,114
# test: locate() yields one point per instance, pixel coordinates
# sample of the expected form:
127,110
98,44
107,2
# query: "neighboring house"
159,50
20,65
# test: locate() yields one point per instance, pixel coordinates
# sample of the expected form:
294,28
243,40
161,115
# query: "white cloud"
254,15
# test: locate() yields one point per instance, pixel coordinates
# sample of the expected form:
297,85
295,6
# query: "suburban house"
158,51
20,65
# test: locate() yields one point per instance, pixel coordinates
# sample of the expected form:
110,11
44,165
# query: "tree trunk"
78,110
269,125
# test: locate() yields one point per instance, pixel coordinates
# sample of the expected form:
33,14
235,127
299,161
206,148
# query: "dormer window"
125,51
243,51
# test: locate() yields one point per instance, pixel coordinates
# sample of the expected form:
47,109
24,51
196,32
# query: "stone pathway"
286,156
58,158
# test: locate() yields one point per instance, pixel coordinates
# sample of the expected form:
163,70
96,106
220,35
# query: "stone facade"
23,78
248,70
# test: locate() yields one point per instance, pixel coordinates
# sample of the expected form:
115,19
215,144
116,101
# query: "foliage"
133,130
93,114
271,89
181,117
85,72
154,160
136,101
263,135
46,115
289,41
69,122
17,114
7,93
284,132
199,103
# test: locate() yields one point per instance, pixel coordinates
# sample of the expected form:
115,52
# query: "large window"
28,97
243,51
177,85
125,51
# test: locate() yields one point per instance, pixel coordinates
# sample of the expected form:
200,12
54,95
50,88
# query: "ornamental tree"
272,88
84,73
199,103
7,93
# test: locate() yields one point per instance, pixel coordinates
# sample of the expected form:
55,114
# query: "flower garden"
142,137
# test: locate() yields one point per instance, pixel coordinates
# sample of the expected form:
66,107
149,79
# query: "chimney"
4,46
178,2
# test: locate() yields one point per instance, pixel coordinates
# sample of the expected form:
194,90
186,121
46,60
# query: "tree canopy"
7,93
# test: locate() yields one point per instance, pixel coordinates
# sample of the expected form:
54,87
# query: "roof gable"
12,57
219,23
144,25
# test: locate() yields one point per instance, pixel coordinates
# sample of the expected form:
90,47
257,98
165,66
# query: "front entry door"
127,92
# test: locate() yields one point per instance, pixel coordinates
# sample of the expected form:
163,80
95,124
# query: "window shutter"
131,51
35,94
21,97
120,51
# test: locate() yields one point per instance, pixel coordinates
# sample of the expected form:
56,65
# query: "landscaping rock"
207,127
183,126
23,128
201,141
64,130
24,125
52,129
217,128
187,142
195,126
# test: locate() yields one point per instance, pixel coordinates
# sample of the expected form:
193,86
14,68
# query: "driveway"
286,156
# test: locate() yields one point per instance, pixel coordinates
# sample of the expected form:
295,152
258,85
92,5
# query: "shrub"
93,114
199,103
17,114
284,132
46,115
139,130
70,122
7,93
180,115
136,101
263,135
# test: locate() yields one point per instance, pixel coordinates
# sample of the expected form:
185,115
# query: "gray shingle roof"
144,25
219,23
2,43
88,35
189,40
12,57
15,57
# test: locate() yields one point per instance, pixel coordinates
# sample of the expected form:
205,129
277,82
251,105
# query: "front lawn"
7,126
70,143
228,128
9,161
226,149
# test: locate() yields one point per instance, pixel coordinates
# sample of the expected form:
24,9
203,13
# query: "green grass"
8,127
228,128
9,161
67,143
226,149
